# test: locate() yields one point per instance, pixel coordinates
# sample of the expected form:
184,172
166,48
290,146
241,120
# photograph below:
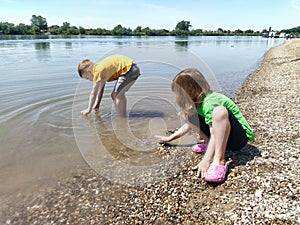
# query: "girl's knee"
220,113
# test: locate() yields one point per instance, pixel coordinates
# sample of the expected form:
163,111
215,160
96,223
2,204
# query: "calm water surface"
41,97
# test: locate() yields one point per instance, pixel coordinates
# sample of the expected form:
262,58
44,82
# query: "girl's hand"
163,138
201,168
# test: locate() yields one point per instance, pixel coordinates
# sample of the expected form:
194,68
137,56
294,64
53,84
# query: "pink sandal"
216,173
199,148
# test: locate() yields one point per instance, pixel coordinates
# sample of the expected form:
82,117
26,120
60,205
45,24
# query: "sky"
157,14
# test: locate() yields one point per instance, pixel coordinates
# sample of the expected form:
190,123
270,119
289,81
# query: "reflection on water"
182,43
39,82
68,45
42,45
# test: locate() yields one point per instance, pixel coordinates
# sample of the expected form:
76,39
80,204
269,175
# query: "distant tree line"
39,26
295,30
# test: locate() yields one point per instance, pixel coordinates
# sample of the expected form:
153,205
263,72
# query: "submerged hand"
163,138
85,112
201,168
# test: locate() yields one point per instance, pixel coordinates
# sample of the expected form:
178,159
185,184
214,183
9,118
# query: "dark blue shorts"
237,138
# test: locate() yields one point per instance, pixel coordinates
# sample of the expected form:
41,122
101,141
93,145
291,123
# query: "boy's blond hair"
82,67
190,87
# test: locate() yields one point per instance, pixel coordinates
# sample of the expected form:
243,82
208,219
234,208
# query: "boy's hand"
85,112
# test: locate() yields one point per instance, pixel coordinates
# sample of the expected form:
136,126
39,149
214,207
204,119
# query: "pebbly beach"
262,186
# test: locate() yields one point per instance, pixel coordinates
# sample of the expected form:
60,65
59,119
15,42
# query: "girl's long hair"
190,88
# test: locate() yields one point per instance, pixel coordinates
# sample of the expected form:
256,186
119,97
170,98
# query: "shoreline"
262,185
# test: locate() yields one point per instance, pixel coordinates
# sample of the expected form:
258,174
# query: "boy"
115,67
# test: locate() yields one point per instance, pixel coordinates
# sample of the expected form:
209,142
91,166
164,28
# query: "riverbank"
261,188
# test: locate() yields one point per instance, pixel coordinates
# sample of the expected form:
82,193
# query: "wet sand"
262,186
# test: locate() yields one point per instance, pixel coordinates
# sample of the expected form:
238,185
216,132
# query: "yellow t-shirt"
111,68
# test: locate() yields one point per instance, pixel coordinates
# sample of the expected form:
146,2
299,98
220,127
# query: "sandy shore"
263,185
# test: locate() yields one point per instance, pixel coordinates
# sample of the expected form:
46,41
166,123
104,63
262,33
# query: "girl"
215,117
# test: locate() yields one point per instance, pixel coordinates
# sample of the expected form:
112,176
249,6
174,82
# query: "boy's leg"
121,87
120,102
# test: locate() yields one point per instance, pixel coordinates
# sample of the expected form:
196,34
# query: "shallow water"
43,136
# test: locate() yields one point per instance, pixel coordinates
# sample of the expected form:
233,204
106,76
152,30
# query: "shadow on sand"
239,158
242,156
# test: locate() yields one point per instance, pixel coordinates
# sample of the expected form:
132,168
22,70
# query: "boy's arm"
92,98
99,96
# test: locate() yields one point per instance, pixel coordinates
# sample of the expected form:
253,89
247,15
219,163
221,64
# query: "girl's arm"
177,134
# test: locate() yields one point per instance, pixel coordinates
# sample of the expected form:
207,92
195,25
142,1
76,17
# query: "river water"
43,136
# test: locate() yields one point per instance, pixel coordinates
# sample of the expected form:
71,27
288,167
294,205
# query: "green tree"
220,30
6,27
121,31
147,31
183,25
54,29
238,31
64,29
73,30
39,22
22,29
35,30
249,31
161,32
81,30
196,32
118,30
138,31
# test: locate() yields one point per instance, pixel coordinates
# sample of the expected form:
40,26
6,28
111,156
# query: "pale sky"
157,14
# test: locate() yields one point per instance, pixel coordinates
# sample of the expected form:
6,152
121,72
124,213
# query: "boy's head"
83,66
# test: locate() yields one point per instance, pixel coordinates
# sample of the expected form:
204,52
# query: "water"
43,137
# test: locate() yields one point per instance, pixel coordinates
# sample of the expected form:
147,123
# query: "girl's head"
190,87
